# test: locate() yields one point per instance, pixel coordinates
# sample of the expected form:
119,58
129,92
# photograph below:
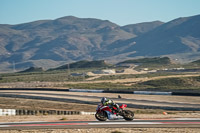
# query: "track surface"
137,123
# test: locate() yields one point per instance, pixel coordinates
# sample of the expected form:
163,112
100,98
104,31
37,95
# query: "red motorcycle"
105,112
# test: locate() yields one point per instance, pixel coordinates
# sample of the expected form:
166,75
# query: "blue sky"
121,12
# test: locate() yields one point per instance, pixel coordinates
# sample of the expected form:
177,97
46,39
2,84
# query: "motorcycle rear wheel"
101,116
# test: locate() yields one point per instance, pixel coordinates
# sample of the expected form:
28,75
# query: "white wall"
4,112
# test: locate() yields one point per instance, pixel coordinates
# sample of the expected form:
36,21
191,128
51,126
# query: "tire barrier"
5,112
185,94
86,90
152,93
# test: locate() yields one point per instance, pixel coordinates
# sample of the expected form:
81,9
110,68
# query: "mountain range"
50,43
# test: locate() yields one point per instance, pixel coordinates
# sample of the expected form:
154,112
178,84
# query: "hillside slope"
49,43
180,36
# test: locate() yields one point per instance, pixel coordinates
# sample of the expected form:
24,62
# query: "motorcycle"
105,112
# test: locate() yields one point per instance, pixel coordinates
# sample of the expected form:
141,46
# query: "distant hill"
197,62
84,64
71,39
33,69
141,28
155,60
177,37
66,39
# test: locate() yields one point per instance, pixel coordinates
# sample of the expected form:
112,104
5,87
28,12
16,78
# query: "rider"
110,103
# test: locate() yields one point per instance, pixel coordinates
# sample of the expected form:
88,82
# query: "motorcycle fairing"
112,116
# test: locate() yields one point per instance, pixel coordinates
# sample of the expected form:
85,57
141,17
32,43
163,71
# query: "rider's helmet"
103,100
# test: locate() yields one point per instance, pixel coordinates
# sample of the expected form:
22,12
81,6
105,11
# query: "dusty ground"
128,81
30,104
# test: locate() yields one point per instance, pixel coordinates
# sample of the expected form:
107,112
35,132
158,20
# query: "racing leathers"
111,104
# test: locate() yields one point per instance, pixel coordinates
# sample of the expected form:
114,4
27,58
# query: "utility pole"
68,68
83,76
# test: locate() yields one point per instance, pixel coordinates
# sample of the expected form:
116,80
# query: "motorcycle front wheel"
128,115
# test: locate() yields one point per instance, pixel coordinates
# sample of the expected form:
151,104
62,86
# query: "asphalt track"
132,103
137,123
